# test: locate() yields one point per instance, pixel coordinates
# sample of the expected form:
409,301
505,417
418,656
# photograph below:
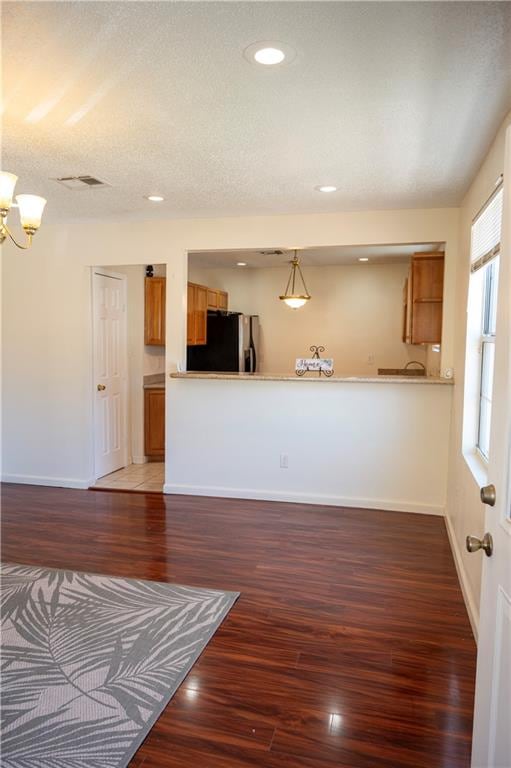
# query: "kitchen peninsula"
311,377
375,442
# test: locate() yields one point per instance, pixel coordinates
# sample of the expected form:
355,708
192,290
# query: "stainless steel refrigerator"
233,344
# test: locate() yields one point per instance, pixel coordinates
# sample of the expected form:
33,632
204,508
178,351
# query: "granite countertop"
312,377
154,381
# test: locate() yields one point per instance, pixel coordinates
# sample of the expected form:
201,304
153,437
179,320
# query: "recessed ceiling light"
269,56
363,258
269,53
241,263
155,198
326,188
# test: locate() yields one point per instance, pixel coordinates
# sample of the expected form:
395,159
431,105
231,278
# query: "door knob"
489,495
101,387
486,543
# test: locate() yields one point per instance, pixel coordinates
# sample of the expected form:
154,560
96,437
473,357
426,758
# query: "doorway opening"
128,321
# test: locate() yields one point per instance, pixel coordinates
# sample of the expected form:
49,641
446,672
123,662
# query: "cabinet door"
427,278
427,323
190,315
154,324
404,334
201,314
223,300
154,422
213,297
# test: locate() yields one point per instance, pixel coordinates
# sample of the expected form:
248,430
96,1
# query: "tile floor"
136,477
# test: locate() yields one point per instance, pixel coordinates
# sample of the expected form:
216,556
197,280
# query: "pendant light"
293,297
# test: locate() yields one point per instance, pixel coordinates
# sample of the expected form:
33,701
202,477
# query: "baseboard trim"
139,460
388,505
57,482
473,613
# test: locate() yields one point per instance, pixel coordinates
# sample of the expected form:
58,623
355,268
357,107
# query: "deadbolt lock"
489,495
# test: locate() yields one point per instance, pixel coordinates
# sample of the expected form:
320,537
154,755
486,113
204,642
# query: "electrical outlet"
284,461
370,359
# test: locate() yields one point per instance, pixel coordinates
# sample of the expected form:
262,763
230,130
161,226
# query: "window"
487,354
481,326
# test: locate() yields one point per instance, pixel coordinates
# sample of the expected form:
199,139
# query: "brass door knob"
486,543
489,495
101,387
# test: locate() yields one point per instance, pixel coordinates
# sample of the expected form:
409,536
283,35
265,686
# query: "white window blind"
485,244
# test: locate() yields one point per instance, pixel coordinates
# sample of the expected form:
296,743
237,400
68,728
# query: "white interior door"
492,716
110,371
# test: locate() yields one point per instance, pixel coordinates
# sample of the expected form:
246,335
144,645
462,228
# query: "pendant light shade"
295,296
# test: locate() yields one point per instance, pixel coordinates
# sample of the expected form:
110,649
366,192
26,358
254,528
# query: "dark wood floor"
349,646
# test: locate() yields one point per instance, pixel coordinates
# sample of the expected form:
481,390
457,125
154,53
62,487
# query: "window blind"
486,228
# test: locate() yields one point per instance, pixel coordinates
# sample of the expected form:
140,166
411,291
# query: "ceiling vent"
81,182
271,253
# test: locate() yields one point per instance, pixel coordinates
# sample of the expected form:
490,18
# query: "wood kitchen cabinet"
154,423
154,311
217,299
423,299
197,315
200,299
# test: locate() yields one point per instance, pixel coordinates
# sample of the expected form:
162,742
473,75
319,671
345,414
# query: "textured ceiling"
313,257
395,103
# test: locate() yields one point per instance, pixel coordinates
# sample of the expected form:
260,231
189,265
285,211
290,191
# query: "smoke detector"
76,183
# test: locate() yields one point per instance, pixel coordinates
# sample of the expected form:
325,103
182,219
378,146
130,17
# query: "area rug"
89,662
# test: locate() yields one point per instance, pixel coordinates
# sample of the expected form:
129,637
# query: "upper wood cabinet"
212,299
223,300
217,299
154,324
200,299
190,314
423,299
197,315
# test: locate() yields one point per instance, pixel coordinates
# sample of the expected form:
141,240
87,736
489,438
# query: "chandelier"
293,296
30,209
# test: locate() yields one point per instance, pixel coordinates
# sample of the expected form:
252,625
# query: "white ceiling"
395,103
312,257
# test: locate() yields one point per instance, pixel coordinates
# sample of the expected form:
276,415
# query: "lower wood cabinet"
154,423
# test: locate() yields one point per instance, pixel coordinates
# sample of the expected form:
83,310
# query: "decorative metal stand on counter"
322,365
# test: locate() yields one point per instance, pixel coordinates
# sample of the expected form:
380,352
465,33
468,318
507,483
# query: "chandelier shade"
30,209
294,295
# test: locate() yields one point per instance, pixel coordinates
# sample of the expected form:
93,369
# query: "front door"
492,716
110,375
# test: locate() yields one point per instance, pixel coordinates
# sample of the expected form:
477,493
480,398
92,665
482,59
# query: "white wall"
356,313
47,378
465,513
380,445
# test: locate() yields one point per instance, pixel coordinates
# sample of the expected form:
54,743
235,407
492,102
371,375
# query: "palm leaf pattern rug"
89,662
